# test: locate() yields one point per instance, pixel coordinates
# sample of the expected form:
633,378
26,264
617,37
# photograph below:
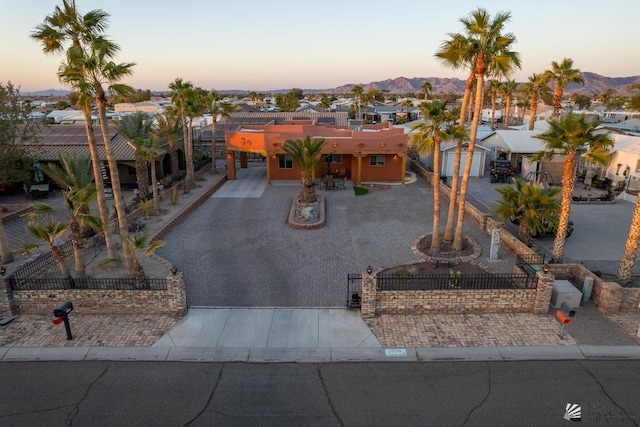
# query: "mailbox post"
61,314
564,316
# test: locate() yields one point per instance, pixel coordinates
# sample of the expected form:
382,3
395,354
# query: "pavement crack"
607,394
483,399
326,393
213,391
35,411
76,409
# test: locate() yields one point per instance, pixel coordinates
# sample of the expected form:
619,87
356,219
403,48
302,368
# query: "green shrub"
174,196
360,191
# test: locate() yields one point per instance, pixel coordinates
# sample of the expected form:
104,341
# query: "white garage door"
475,165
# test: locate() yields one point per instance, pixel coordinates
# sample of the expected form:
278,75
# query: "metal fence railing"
90,283
475,281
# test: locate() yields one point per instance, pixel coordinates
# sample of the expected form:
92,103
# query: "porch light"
335,144
545,269
369,269
382,144
2,270
395,156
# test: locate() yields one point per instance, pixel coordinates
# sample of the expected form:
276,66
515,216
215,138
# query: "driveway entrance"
237,251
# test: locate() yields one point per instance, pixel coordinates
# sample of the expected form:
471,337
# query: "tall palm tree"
492,54
426,87
562,74
92,70
65,26
180,94
308,155
74,177
494,88
136,128
536,87
168,128
566,136
457,53
51,232
408,103
197,104
357,92
529,204
507,89
325,103
438,125
218,108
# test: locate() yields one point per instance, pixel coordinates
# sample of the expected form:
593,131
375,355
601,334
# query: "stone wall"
455,301
171,301
630,299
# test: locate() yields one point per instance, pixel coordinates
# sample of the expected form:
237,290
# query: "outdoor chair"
340,183
331,183
319,183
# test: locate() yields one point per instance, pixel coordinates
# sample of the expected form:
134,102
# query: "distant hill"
593,84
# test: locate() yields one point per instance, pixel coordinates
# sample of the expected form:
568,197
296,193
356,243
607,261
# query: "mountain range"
593,84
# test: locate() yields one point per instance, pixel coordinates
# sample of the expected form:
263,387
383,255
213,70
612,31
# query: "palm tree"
180,94
491,52
536,87
147,149
457,53
562,73
138,242
494,88
74,177
65,25
528,204
357,92
50,232
426,89
325,103
218,108
168,128
427,139
308,155
92,70
566,136
408,103
136,129
507,89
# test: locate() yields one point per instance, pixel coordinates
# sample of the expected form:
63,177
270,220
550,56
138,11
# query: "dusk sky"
279,44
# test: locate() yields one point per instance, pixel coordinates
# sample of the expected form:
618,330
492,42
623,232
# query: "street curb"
319,355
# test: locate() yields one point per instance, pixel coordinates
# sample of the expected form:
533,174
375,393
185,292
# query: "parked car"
548,227
501,170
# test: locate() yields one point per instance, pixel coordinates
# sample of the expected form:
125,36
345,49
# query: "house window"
285,161
377,160
335,158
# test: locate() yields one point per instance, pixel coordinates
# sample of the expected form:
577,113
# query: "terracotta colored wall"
390,172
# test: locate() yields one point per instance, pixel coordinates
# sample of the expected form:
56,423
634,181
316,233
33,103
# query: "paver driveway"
237,251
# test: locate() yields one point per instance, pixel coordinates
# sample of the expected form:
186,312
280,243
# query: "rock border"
477,251
291,221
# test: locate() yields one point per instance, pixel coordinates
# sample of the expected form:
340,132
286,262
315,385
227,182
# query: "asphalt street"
535,393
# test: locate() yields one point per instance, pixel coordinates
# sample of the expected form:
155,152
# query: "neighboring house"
244,107
624,162
543,112
448,150
630,126
379,112
377,153
308,108
56,116
619,116
72,140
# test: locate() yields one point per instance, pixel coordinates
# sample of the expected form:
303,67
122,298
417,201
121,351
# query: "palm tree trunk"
435,234
115,182
213,145
6,256
175,166
78,249
154,188
307,191
493,108
57,255
630,248
103,209
191,177
451,216
524,233
568,179
533,107
507,108
557,99
142,178
457,239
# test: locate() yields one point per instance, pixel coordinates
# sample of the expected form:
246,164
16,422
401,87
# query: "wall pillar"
177,294
231,165
404,167
5,298
543,292
368,302
359,174
243,160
